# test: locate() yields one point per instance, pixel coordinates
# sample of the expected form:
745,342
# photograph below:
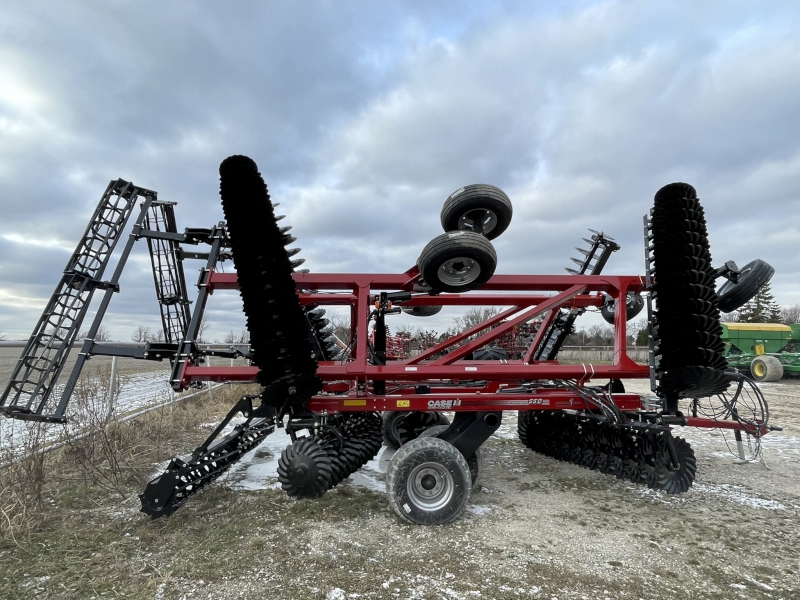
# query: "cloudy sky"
364,116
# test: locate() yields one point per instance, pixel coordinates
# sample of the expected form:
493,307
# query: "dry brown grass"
100,453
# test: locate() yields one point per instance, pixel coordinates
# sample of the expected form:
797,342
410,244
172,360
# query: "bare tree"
141,334
201,330
600,335
790,314
635,330
473,317
341,326
240,337
101,335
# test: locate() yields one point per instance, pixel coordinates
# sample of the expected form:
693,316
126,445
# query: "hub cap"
459,271
470,220
430,486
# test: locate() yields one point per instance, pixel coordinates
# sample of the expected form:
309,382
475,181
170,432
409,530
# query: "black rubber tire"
766,368
490,353
422,311
389,429
752,277
413,423
634,303
457,261
428,462
474,462
477,201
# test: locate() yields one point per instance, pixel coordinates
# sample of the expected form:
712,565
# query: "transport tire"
475,462
422,311
412,424
457,261
490,353
391,435
428,482
479,208
752,277
766,368
634,303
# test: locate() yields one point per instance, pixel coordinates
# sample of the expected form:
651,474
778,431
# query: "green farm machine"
769,351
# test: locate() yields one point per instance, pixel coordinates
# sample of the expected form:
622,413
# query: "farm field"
534,528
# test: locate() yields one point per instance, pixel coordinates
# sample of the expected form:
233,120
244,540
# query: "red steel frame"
455,383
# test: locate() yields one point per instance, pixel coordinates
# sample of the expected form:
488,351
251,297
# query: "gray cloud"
364,118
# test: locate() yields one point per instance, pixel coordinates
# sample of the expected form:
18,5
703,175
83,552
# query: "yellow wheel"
759,370
766,368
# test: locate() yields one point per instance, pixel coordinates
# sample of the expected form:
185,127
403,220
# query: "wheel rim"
430,486
759,370
487,218
459,271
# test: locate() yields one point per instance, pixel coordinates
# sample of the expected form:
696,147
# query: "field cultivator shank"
340,402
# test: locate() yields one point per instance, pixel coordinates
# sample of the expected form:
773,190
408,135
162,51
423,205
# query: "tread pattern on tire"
474,462
422,311
753,276
773,368
457,244
427,450
474,197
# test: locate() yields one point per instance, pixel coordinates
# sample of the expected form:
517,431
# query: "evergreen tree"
761,308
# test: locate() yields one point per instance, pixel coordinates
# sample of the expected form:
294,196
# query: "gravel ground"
539,528
534,528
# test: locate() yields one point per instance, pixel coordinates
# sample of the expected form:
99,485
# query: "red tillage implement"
333,393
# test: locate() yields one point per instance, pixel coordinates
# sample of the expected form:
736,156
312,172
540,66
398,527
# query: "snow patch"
480,511
737,494
258,469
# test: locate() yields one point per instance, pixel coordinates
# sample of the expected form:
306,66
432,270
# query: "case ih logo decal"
443,404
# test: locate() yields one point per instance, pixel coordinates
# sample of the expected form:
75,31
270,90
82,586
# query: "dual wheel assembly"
463,258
